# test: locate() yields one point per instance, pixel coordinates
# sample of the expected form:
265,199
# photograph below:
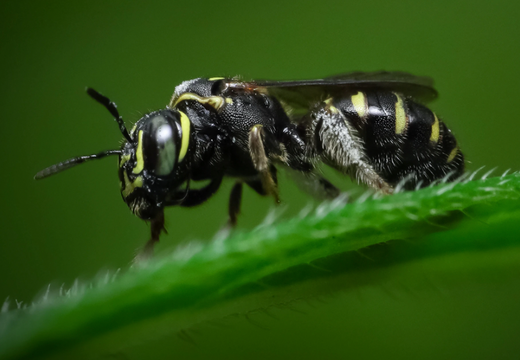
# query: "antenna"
67,164
112,108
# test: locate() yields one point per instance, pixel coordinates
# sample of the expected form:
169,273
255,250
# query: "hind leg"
341,147
314,184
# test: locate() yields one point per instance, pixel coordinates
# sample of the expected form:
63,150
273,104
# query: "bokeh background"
75,224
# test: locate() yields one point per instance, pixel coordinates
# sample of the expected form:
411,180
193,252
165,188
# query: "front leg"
261,161
235,200
267,185
194,197
156,227
186,198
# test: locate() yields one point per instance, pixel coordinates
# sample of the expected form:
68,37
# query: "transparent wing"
300,94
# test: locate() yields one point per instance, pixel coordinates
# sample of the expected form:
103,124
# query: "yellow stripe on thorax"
139,155
215,102
185,141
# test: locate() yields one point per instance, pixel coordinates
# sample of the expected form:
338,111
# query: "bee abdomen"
402,138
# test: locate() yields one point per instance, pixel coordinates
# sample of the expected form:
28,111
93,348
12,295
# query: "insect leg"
314,184
194,197
234,203
342,148
235,197
156,227
261,161
258,186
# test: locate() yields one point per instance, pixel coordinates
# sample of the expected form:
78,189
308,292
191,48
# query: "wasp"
373,127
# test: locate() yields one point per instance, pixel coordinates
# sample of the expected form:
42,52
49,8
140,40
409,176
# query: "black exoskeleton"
371,126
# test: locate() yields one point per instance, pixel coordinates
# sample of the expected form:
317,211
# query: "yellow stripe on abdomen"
452,154
434,137
360,104
400,116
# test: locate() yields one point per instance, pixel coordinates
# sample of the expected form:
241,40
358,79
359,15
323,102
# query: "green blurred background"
75,224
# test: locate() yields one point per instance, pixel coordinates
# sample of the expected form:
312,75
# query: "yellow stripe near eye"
139,155
185,141
133,129
124,159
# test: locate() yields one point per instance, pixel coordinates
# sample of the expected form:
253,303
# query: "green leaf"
252,270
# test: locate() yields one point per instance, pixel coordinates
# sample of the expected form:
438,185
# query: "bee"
373,127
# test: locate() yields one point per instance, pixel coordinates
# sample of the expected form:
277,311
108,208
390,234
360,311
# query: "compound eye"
166,151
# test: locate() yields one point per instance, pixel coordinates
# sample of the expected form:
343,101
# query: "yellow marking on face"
216,78
215,102
229,101
139,155
133,129
360,104
124,159
452,154
400,116
435,130
130,186
185,141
